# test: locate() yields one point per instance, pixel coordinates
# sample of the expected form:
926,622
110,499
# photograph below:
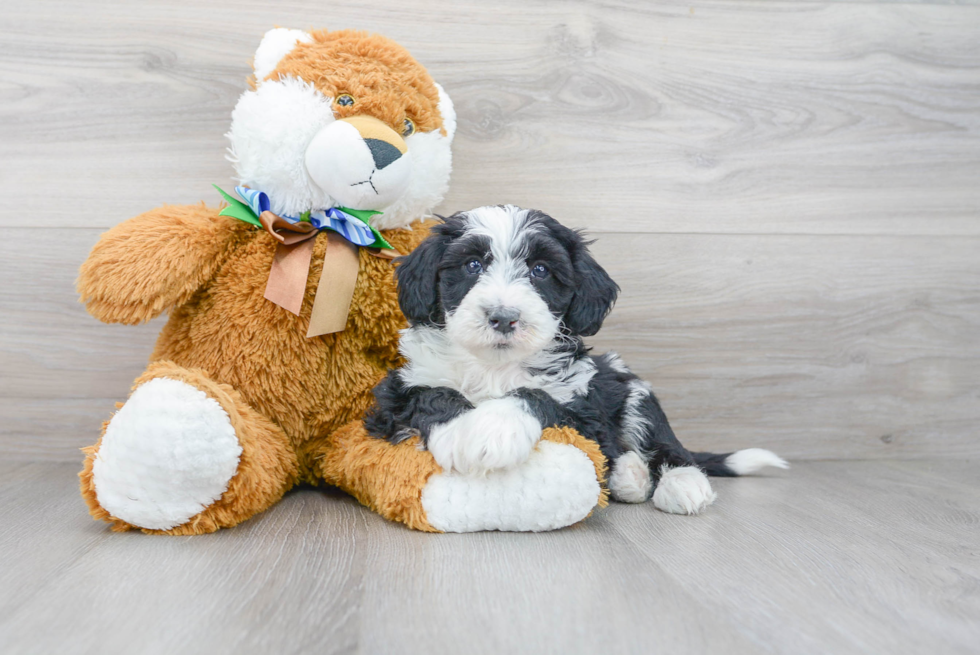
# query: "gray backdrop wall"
788,193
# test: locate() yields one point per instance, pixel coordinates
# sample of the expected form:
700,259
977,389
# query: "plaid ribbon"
352,224
350,227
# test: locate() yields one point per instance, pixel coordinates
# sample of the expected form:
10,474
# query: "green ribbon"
243,212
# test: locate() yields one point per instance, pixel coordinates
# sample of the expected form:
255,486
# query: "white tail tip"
750,460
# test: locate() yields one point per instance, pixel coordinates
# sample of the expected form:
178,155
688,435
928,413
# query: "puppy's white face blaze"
503,293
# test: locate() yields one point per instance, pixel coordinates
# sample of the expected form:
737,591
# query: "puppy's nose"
382,152
503,319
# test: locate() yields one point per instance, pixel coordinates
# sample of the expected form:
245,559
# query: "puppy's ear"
418,275
595,292
418,281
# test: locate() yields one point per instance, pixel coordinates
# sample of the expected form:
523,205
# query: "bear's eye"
345,100
409,127
474,267
540,271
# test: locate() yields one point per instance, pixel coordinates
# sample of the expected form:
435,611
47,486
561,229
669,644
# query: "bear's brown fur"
250,355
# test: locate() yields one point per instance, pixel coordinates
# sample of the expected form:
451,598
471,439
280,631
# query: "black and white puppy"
498,300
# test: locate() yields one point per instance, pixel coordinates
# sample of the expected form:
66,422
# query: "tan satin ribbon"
291,268
384,253
291,263
335,290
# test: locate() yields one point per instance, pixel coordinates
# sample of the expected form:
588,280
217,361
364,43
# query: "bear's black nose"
503,319
382,152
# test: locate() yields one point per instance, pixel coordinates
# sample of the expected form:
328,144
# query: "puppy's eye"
540,271
474,267
345,100
409,127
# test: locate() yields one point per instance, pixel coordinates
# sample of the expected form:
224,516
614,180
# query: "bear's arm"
155,261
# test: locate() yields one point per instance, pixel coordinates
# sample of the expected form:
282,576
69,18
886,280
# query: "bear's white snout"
360,162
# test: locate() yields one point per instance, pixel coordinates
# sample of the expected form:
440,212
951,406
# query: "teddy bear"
283,314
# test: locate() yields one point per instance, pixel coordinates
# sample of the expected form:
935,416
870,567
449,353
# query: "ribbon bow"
352,224
346,229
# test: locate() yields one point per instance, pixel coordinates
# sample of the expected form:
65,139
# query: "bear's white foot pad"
166,455
683,490
555,487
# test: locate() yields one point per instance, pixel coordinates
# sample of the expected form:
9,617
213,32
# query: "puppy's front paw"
683,490
498,433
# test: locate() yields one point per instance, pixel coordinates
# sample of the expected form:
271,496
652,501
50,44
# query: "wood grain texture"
842,557
816,347
733,116
812,346
787,193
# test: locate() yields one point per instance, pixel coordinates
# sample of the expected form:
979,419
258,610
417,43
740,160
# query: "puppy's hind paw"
629,481
683,490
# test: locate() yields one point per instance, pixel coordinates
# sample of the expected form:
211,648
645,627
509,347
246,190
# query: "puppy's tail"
741,462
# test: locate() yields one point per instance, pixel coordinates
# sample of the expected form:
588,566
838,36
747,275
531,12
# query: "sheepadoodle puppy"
498,300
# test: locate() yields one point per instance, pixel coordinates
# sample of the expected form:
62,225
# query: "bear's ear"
447,111
275,45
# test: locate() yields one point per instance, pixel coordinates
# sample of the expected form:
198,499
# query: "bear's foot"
167,455
556,486
185,455
559,484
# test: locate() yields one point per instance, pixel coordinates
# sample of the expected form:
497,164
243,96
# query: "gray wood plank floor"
830,557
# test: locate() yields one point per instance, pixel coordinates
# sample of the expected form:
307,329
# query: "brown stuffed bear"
284,314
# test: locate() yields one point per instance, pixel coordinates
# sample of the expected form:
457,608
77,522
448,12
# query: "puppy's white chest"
435,362
477,383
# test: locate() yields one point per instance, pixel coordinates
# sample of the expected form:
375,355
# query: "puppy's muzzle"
503,319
